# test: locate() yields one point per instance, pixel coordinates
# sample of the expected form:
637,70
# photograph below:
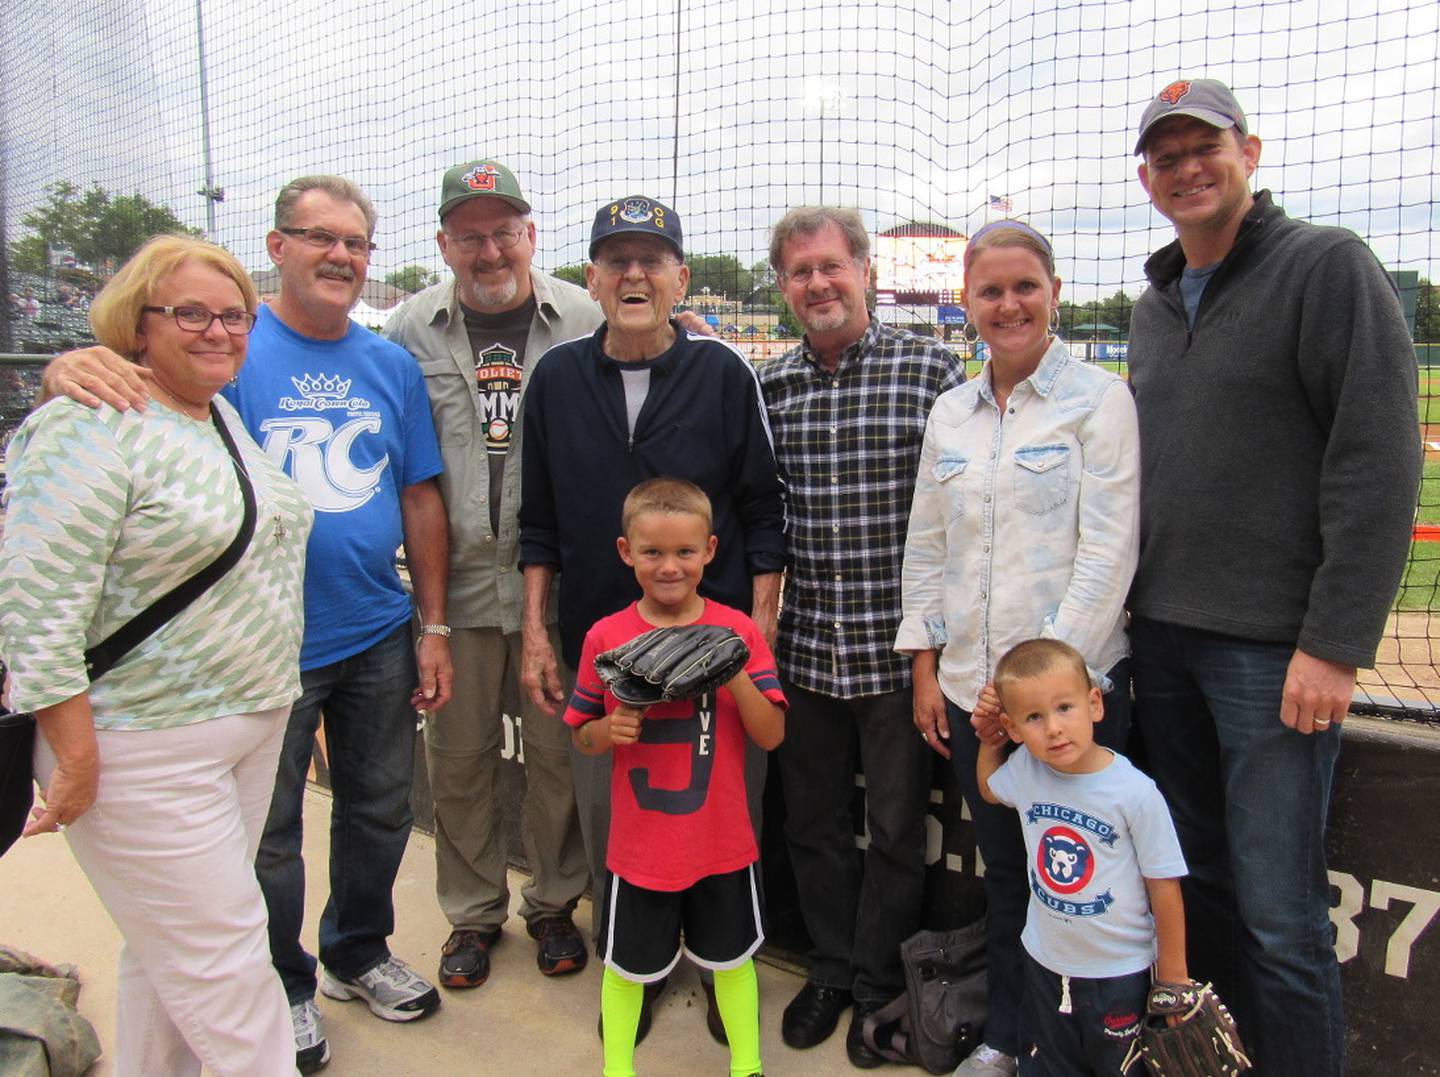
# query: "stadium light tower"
826,95
209,192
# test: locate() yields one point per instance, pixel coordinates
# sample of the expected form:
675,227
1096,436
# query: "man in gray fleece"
1280,458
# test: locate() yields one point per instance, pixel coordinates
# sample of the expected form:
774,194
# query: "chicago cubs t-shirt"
1092,840
349,421
498,344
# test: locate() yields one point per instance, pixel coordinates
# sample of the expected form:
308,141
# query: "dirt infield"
1405,665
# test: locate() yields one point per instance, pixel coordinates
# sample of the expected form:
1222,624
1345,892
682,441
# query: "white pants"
169,846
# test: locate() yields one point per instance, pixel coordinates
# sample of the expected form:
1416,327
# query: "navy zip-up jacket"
703,420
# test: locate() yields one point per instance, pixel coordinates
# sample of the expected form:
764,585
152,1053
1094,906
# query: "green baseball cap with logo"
480,179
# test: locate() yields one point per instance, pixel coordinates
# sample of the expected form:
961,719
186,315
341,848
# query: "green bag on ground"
41,1032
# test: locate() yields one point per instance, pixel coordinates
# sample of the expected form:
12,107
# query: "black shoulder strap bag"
17,731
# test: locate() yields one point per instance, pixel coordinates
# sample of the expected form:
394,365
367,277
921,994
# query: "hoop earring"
970,333
1054,321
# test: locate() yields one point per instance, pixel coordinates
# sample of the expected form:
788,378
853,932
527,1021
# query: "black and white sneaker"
391,990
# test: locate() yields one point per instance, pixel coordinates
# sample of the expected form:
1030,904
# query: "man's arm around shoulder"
92,376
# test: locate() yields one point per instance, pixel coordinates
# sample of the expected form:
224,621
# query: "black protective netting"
934,114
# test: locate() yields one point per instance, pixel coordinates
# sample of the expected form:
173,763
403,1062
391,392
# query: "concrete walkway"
518,1023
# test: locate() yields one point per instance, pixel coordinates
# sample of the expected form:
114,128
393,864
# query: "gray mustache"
333,272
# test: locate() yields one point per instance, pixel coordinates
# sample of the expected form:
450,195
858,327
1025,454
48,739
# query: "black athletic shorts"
719,916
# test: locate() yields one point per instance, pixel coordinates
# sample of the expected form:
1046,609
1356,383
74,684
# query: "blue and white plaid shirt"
848,444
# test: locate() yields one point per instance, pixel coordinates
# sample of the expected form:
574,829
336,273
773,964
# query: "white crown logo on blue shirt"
336,388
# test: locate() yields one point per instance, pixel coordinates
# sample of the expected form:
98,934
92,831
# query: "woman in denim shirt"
1025,523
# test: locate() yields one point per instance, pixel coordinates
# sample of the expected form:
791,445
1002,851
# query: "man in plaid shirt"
847,411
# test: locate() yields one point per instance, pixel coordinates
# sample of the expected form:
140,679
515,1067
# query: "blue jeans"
1093,1035
370,742
1002,847
1249,798
856,922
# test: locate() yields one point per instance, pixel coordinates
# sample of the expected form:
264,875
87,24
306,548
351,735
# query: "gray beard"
827,323
498,297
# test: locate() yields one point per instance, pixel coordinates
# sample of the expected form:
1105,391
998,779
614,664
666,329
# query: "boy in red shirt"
682,851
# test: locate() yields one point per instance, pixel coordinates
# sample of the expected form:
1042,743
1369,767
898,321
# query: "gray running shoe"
390,989
312,1049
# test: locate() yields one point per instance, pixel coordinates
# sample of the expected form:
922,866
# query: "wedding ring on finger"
1322,723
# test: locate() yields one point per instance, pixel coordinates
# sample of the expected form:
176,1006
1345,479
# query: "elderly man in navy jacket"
639,398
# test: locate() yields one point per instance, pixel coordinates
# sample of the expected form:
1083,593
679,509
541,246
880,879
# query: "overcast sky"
909,110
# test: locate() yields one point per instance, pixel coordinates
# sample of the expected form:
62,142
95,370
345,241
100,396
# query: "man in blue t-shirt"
346,415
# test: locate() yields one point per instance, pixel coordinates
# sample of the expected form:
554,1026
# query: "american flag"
1001,203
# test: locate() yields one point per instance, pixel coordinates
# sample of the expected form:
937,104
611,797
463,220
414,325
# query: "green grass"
1429,510
1418,585
1429,396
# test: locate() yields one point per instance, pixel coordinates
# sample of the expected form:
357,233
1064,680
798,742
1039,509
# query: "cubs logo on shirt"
1064,860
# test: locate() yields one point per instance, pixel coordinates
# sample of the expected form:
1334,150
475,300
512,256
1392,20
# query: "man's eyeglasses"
474,242
617,264
198,319
829,270
320,239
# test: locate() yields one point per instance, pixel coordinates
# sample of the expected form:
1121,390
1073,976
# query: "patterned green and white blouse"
106,511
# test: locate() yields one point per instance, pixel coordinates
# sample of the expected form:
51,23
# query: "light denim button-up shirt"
1025,524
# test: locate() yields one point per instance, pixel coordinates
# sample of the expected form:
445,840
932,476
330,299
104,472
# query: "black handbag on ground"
941,1016
17,731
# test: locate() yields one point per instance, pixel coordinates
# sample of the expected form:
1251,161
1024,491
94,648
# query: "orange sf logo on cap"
1176,90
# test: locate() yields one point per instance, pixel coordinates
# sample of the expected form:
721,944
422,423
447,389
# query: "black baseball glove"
1203,1043
683,662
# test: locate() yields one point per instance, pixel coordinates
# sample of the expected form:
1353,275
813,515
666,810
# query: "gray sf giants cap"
636,215
1204,99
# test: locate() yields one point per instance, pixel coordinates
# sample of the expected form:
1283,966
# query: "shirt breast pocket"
948,472
450,403
1042,477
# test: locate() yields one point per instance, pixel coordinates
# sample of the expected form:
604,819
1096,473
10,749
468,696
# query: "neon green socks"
737,993
620,1004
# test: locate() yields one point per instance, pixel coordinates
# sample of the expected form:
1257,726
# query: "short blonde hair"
666,497
1035,658
115,313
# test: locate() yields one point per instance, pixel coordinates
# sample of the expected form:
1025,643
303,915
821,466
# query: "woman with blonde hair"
1025,523
161,721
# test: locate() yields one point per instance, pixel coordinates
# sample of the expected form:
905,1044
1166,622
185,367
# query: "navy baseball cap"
636,215
1203,99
